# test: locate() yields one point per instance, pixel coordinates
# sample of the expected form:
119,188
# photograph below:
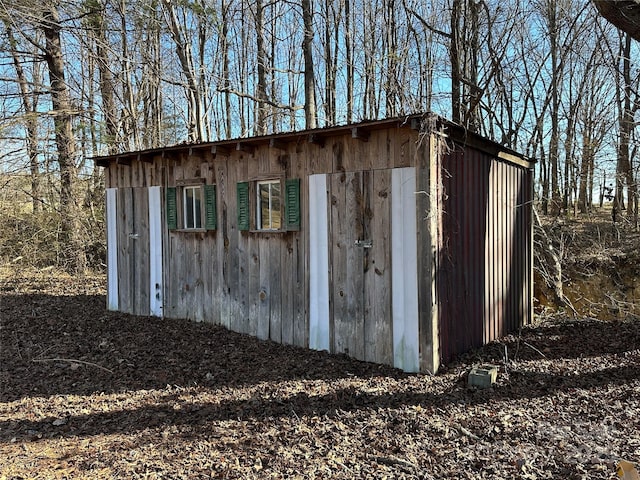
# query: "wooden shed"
402,241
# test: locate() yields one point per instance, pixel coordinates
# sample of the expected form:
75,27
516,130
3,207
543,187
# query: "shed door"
133,250
363,266
360,259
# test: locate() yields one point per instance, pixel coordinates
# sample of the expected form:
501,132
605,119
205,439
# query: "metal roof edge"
417,121
459,134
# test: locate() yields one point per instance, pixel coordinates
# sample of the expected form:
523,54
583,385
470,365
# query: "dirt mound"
600,266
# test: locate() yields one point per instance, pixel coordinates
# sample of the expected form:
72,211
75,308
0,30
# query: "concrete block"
483,377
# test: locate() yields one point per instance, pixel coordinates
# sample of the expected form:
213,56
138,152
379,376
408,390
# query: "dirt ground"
600,265
87,393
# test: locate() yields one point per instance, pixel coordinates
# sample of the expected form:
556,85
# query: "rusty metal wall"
484,249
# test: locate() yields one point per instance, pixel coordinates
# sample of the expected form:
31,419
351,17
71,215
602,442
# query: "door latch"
364,243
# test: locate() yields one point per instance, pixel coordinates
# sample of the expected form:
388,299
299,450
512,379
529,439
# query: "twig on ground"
534,348
72,360
17,340
466,432
506,359
393,461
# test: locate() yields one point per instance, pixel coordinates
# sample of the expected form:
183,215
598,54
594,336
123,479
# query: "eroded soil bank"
600,266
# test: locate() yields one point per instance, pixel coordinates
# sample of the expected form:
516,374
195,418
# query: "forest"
91,393
551,78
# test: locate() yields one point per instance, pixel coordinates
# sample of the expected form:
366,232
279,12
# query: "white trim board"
404,270
318,263
112,249
155,252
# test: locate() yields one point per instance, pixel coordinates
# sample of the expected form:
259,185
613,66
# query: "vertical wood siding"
406,253
133,250
267,284
378,275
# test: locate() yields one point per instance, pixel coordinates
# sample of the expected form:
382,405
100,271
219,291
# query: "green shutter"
172,209
243,205
292,205
210,207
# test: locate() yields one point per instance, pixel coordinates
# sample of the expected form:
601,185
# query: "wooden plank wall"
378,329
258,282
133,250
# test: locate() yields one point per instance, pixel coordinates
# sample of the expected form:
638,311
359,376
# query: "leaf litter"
87,393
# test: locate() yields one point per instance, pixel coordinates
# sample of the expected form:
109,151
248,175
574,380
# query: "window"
276,206
268,213
196,209
191,207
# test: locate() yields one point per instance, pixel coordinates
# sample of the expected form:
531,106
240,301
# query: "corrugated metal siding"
483,283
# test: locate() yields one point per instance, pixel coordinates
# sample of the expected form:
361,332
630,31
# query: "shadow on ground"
71,345
56,345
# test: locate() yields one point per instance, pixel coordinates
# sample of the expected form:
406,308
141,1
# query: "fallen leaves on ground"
88,393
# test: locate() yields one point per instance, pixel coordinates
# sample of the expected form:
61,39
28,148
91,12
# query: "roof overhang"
423,122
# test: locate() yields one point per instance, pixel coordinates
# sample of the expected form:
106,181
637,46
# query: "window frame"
179,210
259,220
198,223
248,204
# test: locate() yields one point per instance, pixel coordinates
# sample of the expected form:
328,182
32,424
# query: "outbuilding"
402,241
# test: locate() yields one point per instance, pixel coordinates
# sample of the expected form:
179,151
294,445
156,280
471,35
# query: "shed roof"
420,122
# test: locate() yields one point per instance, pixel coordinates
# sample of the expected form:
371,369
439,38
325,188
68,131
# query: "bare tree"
261,67
97,28
628,104
64,137
310,111
193,87
30,106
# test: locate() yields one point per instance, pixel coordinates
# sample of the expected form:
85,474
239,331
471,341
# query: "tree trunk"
454,59
131,132
348,58
310,112
193,92
391,85
97,26
225,69
74,254
624,172
586,170
471,90
555,109
261,93
154,133
30,119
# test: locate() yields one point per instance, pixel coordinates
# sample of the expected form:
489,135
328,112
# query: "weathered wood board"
363,274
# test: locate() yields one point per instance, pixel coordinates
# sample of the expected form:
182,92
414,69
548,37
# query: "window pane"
263,208
188,208
268,211
276,222
197,208
192,207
